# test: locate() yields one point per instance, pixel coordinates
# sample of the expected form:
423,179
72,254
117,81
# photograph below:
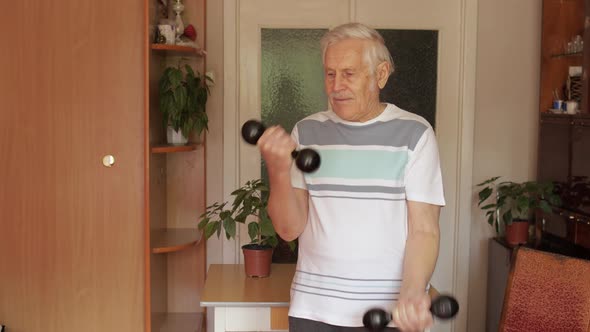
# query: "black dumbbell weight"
307,160
443,307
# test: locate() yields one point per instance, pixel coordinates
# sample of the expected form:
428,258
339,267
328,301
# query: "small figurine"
190,32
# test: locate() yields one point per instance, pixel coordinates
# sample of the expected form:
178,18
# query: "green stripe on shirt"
361,164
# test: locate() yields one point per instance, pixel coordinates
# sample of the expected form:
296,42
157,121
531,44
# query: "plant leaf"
203,223
292,245
224,214
189,71
266,227
180,97
507,217
175,77
229,225
241,217
544,206
489,206
486,182
522,204
218,228
210,229
491,220
271,241
484,194
239,198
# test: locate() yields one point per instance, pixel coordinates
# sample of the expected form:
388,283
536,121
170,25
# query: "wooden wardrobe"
98,217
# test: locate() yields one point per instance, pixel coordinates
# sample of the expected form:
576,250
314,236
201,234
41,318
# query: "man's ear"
382,74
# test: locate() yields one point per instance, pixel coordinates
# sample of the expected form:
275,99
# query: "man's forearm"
422,245
287,207
419,261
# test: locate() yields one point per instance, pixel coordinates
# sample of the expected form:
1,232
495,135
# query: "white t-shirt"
351,250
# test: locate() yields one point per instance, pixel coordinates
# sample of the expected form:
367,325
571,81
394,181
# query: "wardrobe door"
72,166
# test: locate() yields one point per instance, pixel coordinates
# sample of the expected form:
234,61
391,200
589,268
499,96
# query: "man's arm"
422,244
287,207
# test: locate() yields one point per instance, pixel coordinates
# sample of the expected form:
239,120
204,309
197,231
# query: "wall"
505,138
215,111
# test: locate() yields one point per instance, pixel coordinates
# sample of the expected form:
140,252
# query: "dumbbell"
307,160
443,307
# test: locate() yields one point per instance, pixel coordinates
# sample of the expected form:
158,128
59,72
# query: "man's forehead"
347,53
353,44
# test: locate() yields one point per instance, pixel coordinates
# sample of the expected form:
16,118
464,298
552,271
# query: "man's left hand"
412,312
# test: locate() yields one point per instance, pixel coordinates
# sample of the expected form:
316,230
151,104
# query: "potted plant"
183,95
515,204
249,207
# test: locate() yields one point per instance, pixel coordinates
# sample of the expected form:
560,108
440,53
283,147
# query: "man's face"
351,87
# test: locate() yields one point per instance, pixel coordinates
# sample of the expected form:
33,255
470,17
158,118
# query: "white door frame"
463,195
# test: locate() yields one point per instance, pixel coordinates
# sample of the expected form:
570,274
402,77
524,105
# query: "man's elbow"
427,230
286,232
288,236
283,228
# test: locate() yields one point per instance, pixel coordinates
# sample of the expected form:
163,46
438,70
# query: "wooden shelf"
166,148
178,50
177,322
174,239
564,55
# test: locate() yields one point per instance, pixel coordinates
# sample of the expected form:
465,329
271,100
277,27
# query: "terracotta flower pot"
517,232
257,260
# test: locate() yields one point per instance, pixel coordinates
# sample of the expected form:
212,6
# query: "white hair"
375,54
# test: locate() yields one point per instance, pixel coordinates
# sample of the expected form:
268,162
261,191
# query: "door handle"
107,161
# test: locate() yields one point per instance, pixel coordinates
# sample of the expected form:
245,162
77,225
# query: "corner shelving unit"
178,49
561,20
175,239
565,55
175,250
166,148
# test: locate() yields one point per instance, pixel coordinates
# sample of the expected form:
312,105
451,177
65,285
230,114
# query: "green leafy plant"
515,201
183,95
249,206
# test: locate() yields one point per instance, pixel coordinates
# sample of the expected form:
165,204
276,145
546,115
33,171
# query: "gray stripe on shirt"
357,189
393,133
342,291
343,278
360,198
345,298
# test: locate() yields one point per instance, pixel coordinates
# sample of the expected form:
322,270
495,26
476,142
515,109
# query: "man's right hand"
276,146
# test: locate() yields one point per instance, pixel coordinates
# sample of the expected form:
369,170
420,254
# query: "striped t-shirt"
351,250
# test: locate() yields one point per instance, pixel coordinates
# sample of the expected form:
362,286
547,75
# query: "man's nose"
338,83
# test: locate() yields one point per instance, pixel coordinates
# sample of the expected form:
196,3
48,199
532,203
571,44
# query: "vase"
517,232
175,137
178,8
257,260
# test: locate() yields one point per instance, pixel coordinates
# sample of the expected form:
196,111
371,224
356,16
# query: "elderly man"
367,220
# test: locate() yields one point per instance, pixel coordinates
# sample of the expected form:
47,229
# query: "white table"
238,303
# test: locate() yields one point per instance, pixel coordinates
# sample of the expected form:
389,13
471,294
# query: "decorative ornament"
190,32
178,8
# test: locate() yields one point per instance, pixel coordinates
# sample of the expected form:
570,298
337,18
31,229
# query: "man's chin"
345,113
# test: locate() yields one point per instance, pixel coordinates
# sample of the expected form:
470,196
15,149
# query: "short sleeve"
297,177
423,174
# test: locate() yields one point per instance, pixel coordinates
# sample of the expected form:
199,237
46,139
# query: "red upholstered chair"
546,292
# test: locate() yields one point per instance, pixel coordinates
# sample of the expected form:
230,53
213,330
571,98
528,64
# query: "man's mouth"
341,99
